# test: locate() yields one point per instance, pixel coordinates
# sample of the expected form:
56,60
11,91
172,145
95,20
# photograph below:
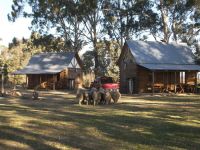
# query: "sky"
8,30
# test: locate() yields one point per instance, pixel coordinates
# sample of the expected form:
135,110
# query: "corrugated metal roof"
47,63
160,53
171,67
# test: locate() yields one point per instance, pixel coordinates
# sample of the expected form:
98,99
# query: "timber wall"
128,70
163,80
67,79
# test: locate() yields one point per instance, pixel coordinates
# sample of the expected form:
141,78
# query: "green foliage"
5,71
77,22
93,28
185,22
108,54
197,53
88,60
15,58
62,16
125,19
191,3
47,43
15,43
20,51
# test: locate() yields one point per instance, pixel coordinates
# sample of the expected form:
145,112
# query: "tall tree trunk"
121,32
164,14
76,42
174,24
96,59
174,31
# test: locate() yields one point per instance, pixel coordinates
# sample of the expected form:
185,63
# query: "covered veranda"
41,80
173,78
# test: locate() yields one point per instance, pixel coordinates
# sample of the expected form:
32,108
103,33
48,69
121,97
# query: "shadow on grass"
133,130
175,98
59,120
34,141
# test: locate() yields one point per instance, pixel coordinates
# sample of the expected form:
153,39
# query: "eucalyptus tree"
179,18
108,52
80,21
164,19
77,21
125,19
92,21
46,43
63,18
180,22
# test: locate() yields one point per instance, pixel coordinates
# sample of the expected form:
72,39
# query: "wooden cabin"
157,67
53,71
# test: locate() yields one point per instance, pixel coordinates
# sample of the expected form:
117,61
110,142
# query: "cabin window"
150,77
198,77
125,65
125,61
58,77
71,84
182,77
131,85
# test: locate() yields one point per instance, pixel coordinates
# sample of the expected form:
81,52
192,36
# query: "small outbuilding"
61,70
151,66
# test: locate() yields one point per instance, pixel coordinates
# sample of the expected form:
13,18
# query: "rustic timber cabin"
53,71
157,67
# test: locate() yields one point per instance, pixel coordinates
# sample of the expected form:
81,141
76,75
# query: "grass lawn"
58,122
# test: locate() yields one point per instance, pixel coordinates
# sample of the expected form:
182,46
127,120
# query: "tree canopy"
73,23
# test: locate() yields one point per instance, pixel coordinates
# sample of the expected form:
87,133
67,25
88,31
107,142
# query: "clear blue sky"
8,30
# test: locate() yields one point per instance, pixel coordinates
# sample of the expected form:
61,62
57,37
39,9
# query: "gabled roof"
155,55
153,52
47,63
171,67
